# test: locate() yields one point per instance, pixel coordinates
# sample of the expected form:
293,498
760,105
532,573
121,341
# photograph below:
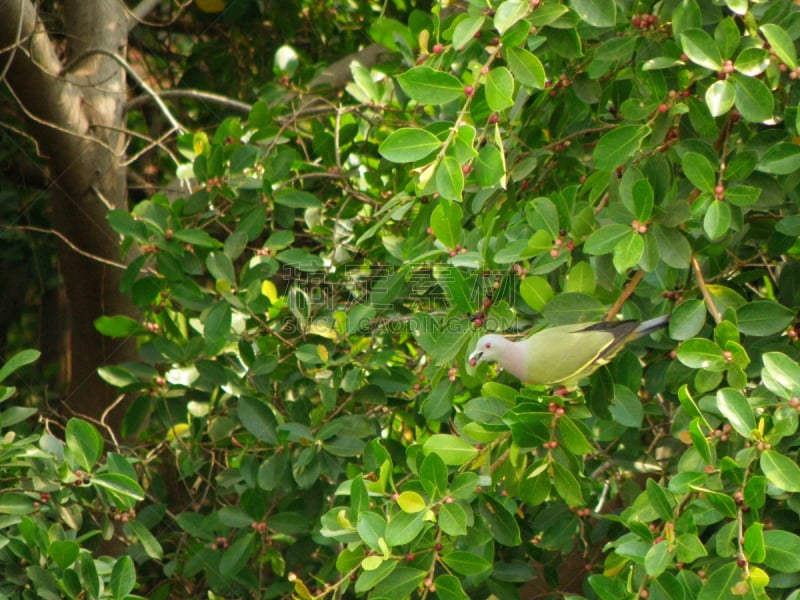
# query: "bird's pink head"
486,349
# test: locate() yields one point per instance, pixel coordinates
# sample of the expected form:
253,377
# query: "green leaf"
371,528
196,237
580,279
687,320
642,200
453,450
427,85
763,317
490,167
781,43
408,144
575,440
466,29
411,502
404,527
781,375
727,36
618,146
753,98
501,522
123,577
608,588
118,326
717,220
657,559
150,544
296,199
221,267
598,13
689,548
446,221
400,584
499,89
217,322
699,353
754,548
119,484
237,555
466,563
720,582
448,587
535,291
258,419
673,247
65,552
526,67
449,179
782,472
14,503
626,408
453,519
737,410
659,500
19,360
782,158
699,170
508,13
701,49
567,486
628,252
752,61
720,97
687,15
782,551
742,195
369,579
605,239
83,444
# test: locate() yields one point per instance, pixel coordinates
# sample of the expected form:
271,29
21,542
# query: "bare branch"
141,82
194,95
67,241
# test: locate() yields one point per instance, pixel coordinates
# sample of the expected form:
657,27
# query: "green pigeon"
562,355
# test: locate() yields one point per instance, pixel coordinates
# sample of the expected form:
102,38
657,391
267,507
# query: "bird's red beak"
473,362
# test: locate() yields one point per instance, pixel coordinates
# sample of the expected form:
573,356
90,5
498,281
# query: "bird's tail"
646,327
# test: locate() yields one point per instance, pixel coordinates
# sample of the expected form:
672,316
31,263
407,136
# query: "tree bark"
76,117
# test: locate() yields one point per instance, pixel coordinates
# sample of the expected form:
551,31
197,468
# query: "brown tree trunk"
76,114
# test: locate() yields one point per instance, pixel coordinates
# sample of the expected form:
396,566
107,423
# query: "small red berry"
438,48
469,90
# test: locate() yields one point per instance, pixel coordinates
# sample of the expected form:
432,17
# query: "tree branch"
194,95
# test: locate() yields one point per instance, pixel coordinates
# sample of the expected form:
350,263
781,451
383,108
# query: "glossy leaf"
526,67
618,146
429,86
408,145
737,410
701,48
753,98
780,470
499,89
451,449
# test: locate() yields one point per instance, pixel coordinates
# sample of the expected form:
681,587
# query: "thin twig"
67,241
626,293
134,75
701,283
18,37
194,95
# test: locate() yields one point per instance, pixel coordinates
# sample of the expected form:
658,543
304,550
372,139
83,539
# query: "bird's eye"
488,344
